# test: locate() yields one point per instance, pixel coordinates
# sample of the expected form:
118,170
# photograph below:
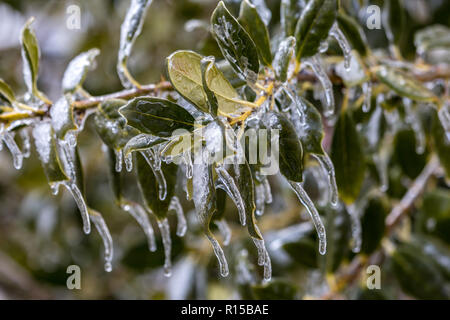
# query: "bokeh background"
41,234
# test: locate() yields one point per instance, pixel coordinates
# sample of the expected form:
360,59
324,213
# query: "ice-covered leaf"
46,147
403,84
283,57
156,116
313,27
185,73
263,11
61,114
111,126
353,32
235,43
348,158
254,25
207,64
290,11
290,148
149,185
6,92
373,225
77,69
30,57
141,142
130,30
433,44
355,74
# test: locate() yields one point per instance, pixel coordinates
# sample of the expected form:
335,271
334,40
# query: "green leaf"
373,225
405,154
156,116
313,26
254,25
434,215
290,11
436,251
207,64
235,43
185,73
303,250
111,126
393,18
141,142
441,141
290,148
149,187
347,156
283,57
403,84
46,147
30,56
77,69
417,275
61,114
353,32
6,92
221,197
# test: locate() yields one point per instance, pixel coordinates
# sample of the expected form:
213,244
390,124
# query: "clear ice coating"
164,228
367,91
175,205
25,135
224,230
263,258
119,159
230,187
316,65
155,165
8,138
260,199
130,30
353,211
444,117
337,33
263,11
309,205
413,119
103,230
327,166
141,216
187,159
77,69
81,204
128,158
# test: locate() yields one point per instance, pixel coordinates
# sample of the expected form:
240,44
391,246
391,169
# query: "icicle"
299,106
129,161
162,184
218,251
188,162
81,204
327,166
263,258
413,119
353,211
232,190
309,205
224,230
267,190
26,143
167,243
103,230
260,199
139,213
175,205
17,155
317,67
322,185
119,159
343,43
367,91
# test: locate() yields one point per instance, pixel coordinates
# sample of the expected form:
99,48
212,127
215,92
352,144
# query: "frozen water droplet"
218,251
224,230
167,244
260,199
323,46
316,65
175,205
103,230
327,166
309,205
